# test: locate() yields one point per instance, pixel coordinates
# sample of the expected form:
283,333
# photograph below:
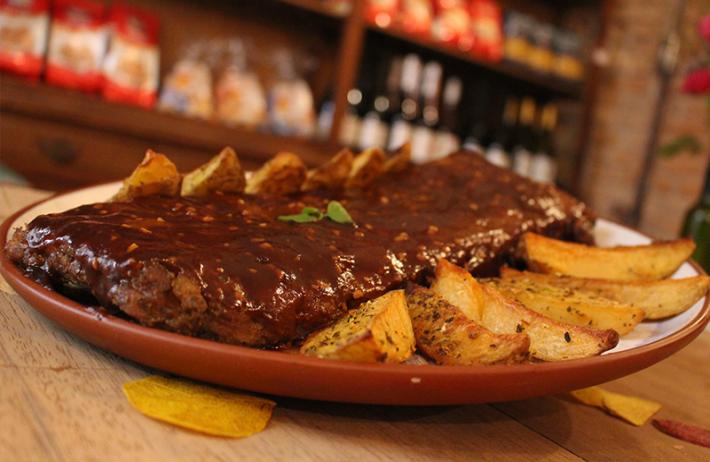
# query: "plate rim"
61,304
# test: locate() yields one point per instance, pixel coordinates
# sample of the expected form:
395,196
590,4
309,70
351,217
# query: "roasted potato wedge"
459,288
658,299
399,160
155,175
377,331
222,173
574,307
447,336
646,262
284,174
367,166
550,340
331,174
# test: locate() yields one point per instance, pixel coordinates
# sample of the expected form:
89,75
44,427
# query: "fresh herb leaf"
307,215
337,213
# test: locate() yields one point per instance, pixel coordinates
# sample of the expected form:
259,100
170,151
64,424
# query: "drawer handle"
59,150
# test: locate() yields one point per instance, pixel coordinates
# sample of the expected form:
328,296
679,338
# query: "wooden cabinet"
61,139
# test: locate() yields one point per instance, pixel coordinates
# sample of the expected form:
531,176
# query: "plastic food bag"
486,17
381,12
416,16
291,107
452,24
77,44
187,89
131,69
23,35
239,95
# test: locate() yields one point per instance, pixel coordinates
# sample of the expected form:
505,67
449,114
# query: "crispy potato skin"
570,306
155,175
222,173
366,167
399,160
550,340
283,174
647,262
332,174
658,299
449,337
378,331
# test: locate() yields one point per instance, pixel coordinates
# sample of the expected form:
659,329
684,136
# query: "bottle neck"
705,198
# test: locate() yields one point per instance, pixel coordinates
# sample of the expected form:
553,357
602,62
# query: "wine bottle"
374,129
446,139
477,138
401,128
350,126
498,152
428,117
523,150
544,163
697,225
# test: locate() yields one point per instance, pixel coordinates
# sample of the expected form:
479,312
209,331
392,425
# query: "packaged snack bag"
239,95
416,16
518,37
381,12
23,36
132,65
540,55
486,18
187,89
291,107
77,43
452,23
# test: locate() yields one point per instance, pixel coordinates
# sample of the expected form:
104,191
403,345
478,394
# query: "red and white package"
487,23
415,16
381,12
77,43
23,35
132,66
452,23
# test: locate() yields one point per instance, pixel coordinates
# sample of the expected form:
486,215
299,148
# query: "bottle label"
422,138
522,158
543,168
373,133
400,133
445,143
496,155
349,129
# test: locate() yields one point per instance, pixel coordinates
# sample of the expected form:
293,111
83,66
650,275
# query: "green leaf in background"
307,215
682,143
337,213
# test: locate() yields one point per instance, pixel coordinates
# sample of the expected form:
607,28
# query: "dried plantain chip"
629,408
198,407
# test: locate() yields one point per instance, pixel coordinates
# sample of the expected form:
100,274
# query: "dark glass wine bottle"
697,226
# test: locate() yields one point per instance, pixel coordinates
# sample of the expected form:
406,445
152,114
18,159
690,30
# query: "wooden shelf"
554,85
316,6
90,111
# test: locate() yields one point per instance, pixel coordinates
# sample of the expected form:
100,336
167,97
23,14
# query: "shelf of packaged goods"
320,7
47,103
551,84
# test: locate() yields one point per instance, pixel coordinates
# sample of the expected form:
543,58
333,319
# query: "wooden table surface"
61,400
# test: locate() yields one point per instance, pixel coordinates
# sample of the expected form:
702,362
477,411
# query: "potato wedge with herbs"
155,175
645,262
550,340
222,173
570,306
658,299
367,166
399,160
448,337
330,175
377,331
283,174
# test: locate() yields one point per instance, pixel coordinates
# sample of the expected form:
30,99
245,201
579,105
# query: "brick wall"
624,112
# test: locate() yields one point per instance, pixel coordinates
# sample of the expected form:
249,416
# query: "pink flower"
697,81
704,28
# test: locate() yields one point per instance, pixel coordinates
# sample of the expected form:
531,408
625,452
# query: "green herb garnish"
307,215
337,213
334,212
